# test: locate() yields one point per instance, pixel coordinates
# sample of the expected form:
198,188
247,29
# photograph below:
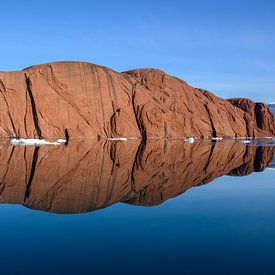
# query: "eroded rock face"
87,174
258,116
78,99
271,106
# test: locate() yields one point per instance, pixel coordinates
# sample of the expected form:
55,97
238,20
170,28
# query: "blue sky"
227,47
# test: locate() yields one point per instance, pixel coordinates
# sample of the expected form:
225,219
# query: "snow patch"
31,142
217,138
61,140
245,138
117,138
190,140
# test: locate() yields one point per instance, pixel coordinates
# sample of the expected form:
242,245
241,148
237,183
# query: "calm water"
165,207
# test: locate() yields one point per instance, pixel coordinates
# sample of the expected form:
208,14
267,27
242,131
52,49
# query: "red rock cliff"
78,99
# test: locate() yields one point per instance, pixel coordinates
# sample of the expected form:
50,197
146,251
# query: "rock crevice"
33,105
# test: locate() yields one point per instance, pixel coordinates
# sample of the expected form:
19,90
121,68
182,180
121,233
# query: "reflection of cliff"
262,158
170,172
271,164
88,175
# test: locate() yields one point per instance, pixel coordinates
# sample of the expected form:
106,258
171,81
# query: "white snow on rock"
31,142
190,140
217,138
61,140
118,138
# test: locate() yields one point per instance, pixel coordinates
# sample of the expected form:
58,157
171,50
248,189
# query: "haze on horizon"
226,47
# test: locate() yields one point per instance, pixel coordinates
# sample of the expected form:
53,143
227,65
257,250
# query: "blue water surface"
225,227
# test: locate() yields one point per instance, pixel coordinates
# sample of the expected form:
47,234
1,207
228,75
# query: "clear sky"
227,46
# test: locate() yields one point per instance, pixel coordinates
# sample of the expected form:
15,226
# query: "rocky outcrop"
271,106
258,116
87,174
76,99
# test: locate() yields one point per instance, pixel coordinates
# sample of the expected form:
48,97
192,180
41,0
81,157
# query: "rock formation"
87,174
271,106
257,116
75,99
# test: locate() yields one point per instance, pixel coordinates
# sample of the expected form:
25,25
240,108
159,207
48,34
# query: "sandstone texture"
257,116
77,99
87,175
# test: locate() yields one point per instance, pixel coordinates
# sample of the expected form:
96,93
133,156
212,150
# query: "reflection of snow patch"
190,140
246,141
217,138
31,142
118,138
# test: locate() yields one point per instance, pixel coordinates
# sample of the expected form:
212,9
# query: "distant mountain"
272,107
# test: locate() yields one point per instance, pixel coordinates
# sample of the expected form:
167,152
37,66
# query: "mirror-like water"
131,209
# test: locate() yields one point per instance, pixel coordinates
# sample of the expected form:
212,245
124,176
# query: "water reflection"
87,175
